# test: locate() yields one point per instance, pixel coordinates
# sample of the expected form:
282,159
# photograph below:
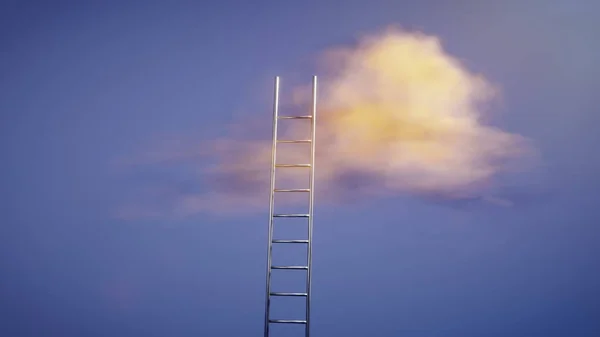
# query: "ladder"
301,269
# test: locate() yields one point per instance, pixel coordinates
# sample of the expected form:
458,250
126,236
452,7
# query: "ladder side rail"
311,204
271,205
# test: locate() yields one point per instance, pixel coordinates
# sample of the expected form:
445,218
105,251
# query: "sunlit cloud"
396,115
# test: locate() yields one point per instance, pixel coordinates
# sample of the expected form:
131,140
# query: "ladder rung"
292,165
291,215
293,190
294,141
295,117
290,294
290,241
289,321
290,267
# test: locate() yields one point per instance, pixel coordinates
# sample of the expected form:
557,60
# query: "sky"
93,92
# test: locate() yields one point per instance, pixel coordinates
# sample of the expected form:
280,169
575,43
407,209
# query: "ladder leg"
271,205
311,203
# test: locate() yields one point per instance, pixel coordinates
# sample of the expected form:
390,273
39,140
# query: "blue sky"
85,84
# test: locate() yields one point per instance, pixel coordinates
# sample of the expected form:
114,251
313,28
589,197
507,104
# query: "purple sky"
85,83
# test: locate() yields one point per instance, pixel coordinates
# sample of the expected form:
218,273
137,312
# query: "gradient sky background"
83,83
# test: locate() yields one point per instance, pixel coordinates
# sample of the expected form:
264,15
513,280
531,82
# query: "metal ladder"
308,216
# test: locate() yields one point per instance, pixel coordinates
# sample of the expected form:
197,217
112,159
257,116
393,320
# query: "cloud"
396,115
